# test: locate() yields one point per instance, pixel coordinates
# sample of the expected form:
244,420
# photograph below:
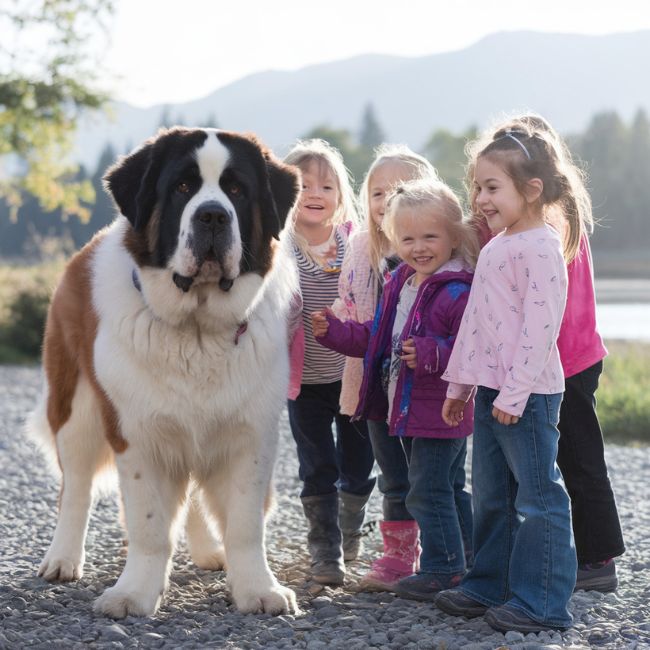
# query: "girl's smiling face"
499,200
319,198
423,241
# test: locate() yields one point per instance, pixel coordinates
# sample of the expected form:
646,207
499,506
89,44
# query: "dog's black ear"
131,181
284,181
278,184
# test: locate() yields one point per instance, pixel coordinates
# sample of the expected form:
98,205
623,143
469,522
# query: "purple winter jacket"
432,324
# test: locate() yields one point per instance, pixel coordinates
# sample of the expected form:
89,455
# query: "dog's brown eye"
183,187
234,189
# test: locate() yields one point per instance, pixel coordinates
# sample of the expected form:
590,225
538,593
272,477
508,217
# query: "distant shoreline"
623,290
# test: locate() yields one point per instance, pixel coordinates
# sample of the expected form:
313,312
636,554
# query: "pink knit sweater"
579,342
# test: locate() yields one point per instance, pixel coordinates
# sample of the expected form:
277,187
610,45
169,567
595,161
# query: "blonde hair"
418,167
527,147
437,199
327,157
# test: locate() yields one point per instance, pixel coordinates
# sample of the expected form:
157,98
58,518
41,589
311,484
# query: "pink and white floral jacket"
357,301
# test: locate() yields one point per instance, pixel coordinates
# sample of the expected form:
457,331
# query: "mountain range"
565,77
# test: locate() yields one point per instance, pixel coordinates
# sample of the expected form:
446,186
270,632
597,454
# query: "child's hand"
319,322
452,411
502,417
409,355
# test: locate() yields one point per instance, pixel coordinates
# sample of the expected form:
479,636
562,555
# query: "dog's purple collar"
240,330
136,280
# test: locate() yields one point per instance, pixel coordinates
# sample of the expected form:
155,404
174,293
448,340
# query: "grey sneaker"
456,603
425,586
600,576
507,618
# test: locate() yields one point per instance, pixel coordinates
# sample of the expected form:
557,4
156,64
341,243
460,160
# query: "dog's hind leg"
82,451
203,543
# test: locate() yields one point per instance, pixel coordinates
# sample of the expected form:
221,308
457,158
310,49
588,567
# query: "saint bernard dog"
165,355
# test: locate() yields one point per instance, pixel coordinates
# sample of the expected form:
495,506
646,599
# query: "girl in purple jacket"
406,348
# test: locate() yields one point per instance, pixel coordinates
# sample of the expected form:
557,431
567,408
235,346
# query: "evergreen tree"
211,122
604,148
103,210
342,140
165,120
637,180
371,134
446,152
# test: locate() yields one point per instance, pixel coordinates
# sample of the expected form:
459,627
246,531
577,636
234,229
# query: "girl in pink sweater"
525,563
581,453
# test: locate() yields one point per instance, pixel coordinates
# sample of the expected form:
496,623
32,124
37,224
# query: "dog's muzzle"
212,240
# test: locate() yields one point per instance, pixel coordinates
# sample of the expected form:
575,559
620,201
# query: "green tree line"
615,155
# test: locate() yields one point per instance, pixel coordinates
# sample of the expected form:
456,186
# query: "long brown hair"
527,147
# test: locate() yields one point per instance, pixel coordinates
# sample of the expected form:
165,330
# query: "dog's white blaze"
212,158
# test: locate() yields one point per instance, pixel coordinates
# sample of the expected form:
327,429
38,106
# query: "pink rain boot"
400,559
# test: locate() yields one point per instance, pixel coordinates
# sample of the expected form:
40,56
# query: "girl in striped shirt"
334,469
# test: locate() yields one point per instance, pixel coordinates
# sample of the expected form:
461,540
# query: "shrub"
25,324
623,396
24,297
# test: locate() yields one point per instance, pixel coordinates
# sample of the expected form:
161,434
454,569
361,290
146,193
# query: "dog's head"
203,203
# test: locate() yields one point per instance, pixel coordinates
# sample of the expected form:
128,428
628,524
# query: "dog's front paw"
120,603
57,567
275,600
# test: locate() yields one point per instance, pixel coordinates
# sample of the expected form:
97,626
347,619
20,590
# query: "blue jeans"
391,454
439,504
463,500
523,543
326,464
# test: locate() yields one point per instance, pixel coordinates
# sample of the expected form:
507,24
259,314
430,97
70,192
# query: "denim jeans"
523,543
581,457
391,454
438,503
463,500
325,463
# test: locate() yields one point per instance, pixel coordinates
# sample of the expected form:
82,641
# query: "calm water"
624,320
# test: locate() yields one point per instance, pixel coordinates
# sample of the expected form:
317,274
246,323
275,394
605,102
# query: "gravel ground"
196,612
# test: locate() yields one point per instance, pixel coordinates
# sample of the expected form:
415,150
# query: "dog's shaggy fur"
165,354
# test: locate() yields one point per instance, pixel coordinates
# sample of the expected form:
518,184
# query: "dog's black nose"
225,284
182,282
213,215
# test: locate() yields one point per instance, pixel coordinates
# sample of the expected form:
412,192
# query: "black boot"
324,538
352,510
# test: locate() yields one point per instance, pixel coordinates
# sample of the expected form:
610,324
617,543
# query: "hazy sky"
170,51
